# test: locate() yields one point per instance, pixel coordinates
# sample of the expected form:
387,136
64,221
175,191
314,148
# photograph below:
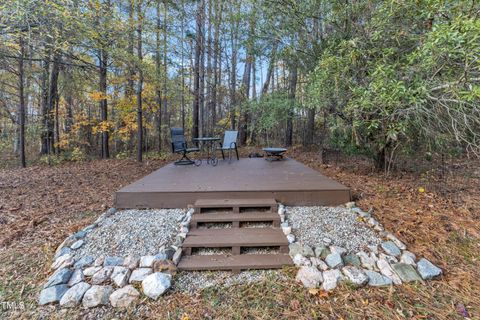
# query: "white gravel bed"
265,250
256,224
312,224
191,282
215,225
211,251
132,232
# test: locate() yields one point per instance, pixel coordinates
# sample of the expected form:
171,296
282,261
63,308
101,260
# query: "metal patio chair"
179,145
229,144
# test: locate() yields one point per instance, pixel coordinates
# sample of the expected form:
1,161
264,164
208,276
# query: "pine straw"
441,226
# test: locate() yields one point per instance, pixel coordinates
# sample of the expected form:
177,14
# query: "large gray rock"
76,277
310,277
85,261
138,275
294,249
131,262
74,295
176,257
120,276
156,284
80,234
63,261
99,261
391,248
368,261
147,261
387,271
388,258
331,278
376,279
60,276
322,252
307,251
96,296
63,251
300,260
112,261
334,260
169,252
123,297
336,249
52,294
290,238
355,276
90,271
406,272
77,244
427,269
102,275
317,262
408,258
397,242
352,260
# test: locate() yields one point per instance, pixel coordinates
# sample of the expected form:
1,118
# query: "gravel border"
132,232
311,225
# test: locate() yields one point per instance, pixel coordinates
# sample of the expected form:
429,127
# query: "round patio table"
274,154
207,145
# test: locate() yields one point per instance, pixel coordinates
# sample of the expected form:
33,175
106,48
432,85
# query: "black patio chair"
229,144
179,145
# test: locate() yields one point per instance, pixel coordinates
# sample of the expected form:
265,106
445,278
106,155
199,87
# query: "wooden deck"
288,182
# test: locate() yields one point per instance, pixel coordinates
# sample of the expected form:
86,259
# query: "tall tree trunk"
233,64
139,84
103,63
52,98
291,97
216,55
271,66
201,125
245,115
165,70
130,89
44,101
21,105
158,90
310,127
196,71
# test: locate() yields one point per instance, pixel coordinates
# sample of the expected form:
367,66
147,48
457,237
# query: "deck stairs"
231,226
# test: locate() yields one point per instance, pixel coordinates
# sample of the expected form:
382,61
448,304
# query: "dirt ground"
41,205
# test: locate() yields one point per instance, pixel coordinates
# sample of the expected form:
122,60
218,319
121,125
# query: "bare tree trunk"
103,63
139,84
166,116
21,105
45,93
196,71
131,49
291,96
52,98
271,66
158,91
310,130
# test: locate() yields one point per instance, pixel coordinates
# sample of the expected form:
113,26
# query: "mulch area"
40,206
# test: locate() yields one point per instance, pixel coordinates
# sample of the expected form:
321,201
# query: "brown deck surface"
287,181
238,262
230,217
235,237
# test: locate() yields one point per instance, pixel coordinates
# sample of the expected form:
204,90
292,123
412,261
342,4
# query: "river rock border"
327,265
107,280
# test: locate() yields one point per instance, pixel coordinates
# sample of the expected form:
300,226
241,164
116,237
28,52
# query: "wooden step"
235,218
235,238
235,263
235,204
